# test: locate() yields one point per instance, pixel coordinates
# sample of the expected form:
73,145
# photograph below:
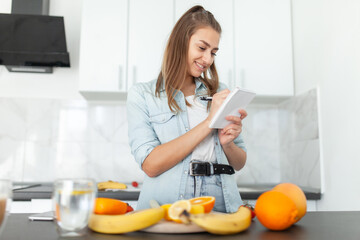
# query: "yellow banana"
223,223
129,222
111,185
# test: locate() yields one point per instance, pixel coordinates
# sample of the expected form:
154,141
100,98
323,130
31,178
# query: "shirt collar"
162,87
199,85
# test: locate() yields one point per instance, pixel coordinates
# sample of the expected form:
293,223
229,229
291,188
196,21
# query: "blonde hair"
174,66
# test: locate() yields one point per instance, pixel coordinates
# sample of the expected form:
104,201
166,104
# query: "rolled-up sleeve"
239,141
142,137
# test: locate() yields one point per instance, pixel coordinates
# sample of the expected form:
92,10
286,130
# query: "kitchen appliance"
31,41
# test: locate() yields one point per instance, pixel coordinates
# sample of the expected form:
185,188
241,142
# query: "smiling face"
203,46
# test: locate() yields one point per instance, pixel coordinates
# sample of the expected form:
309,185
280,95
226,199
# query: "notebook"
237,99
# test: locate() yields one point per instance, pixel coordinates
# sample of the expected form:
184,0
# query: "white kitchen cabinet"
263,46
255,50
150,25
103,51
222,11
123,42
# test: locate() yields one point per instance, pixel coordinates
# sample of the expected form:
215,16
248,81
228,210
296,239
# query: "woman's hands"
231,131
236,156
217,100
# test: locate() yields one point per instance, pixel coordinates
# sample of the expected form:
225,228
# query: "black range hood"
32,42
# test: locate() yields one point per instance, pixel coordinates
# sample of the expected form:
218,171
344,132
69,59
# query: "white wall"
327,55
63,83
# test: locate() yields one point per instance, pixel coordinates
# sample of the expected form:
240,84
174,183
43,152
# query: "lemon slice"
74,192
166,207
197,209
81,192
177,208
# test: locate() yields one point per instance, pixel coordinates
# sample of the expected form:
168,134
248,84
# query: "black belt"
207,169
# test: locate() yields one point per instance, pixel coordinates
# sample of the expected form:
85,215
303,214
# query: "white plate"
172,227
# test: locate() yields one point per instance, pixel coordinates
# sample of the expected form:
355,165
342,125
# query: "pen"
206,98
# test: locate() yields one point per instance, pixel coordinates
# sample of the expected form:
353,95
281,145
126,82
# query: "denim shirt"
150,124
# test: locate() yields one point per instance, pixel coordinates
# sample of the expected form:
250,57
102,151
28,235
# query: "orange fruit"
195,209
275,210
166,208
109,206
294,193
177,208
207,202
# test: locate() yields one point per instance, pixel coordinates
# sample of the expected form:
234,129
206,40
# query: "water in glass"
73,206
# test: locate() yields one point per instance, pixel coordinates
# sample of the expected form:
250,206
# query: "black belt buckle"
198,168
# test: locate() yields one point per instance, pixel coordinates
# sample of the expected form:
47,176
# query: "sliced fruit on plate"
207,202
195,209
166,208
177,208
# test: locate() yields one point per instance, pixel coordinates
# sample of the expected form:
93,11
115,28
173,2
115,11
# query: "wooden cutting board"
172,227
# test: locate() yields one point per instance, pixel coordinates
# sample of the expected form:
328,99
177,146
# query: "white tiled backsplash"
44,139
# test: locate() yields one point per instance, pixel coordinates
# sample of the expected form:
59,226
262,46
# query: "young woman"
169,132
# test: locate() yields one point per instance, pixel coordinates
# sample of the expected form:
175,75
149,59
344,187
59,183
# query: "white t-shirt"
197,113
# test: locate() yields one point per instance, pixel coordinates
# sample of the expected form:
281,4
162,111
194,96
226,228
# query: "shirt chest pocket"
165,126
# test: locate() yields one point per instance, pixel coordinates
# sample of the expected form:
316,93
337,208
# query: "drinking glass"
73,203
5,201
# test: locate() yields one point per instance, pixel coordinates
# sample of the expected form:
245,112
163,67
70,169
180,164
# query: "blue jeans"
197,186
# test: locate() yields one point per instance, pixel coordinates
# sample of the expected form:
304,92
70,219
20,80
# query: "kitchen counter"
314,225
44,191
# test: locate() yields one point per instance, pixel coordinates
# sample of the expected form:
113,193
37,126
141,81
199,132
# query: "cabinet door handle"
242,77
134,75
231,80
121,83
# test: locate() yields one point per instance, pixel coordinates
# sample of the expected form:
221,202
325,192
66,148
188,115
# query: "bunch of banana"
129,222
223,223
111,185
